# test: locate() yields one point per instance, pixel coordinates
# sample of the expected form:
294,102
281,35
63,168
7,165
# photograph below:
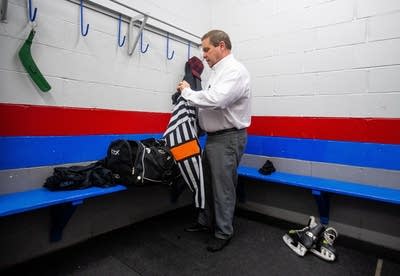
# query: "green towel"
30,66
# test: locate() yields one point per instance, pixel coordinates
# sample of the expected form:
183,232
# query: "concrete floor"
159,246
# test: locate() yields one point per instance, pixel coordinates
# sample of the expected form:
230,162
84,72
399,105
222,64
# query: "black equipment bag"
141,162
121,157
79,177
156,163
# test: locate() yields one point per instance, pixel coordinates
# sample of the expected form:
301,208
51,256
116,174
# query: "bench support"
322,199
60,215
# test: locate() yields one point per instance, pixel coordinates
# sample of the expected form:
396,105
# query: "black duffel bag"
80,177
141,162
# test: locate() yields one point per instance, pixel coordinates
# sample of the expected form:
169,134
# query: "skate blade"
324,254
299,249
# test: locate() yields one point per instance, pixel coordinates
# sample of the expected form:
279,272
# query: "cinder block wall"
91,77
314,59
336,58
317,58
93,71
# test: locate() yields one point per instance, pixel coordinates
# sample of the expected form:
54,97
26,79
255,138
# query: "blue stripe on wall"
383,156
33,151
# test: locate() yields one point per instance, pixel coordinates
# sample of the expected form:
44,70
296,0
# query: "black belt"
222,131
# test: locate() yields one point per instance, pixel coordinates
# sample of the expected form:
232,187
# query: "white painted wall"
306,57
317,57
93,71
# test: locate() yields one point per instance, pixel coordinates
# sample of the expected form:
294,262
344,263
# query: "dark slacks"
221,157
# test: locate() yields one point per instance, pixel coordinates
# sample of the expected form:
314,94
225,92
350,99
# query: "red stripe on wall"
374,130
33,120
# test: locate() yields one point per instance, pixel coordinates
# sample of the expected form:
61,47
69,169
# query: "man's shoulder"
241,68
232,62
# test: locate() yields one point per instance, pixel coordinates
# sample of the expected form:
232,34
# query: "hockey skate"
300,241
324,247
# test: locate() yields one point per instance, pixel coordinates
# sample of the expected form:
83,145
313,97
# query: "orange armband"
185,150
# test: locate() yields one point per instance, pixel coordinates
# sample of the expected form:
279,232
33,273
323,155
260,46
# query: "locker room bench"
322,187
25,201
31,153
63,203
380,157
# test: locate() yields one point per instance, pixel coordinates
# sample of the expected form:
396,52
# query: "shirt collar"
220,64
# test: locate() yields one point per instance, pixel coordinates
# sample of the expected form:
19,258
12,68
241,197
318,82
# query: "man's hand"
182,85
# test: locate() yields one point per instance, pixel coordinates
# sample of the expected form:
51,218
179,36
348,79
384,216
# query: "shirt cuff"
185,92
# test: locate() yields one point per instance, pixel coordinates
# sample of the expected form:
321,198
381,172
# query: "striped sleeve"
181,137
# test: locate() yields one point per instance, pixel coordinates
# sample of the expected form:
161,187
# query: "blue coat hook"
120,44
173,52
87,26
141,44
32,17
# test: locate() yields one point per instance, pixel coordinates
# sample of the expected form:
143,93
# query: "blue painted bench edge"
326,185
321,187
63,204
14,203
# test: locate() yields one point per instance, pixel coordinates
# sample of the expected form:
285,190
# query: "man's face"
212,54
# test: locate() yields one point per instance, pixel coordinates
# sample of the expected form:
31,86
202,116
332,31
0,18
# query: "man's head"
216,45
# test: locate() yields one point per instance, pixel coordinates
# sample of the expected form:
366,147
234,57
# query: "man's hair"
216,36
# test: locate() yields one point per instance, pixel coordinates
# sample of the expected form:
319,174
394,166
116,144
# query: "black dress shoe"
216,244
197,228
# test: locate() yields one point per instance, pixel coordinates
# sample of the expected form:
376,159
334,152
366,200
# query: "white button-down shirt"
225,100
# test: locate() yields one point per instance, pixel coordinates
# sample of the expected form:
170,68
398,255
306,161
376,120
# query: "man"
224,113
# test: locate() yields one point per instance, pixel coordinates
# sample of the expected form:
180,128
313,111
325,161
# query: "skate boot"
304,239
324,247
